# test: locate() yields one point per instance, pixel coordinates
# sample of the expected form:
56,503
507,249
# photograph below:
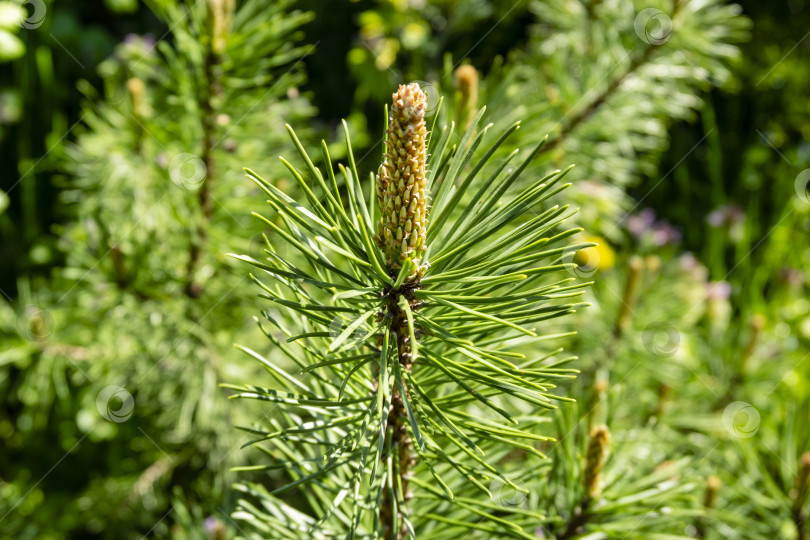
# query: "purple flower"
718,290
149,41
664,234
688,261
644,225
793,277
726,215
640,223
693,268
145,42
214,527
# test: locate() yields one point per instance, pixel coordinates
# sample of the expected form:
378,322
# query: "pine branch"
402,198
400,335
601,98
635,65
396,427
220,14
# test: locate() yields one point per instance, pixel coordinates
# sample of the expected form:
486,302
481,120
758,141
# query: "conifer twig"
220,13
402,197
399,335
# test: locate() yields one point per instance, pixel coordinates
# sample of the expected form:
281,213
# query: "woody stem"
396,492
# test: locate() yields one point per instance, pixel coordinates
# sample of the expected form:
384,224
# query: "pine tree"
413,315
416,347
608,58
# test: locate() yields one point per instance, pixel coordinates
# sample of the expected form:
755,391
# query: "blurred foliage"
39,111
116,357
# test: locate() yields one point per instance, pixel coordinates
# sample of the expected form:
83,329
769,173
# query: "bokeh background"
124,125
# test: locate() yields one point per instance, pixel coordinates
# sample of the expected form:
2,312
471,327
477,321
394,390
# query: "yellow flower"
601,256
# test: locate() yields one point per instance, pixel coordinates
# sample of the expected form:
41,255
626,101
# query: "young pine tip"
402,184
595,458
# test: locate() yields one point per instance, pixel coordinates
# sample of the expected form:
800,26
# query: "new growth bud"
401,181
713,485
634,266
466,83
221,13
598,446
803,480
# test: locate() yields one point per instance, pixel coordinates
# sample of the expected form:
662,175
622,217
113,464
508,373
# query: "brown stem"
402,196
599,100
577,521
614,84
628,300
211,91
800,493
800,520
595,457
600,369
400,439
713,485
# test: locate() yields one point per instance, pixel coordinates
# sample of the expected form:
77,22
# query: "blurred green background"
690,138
